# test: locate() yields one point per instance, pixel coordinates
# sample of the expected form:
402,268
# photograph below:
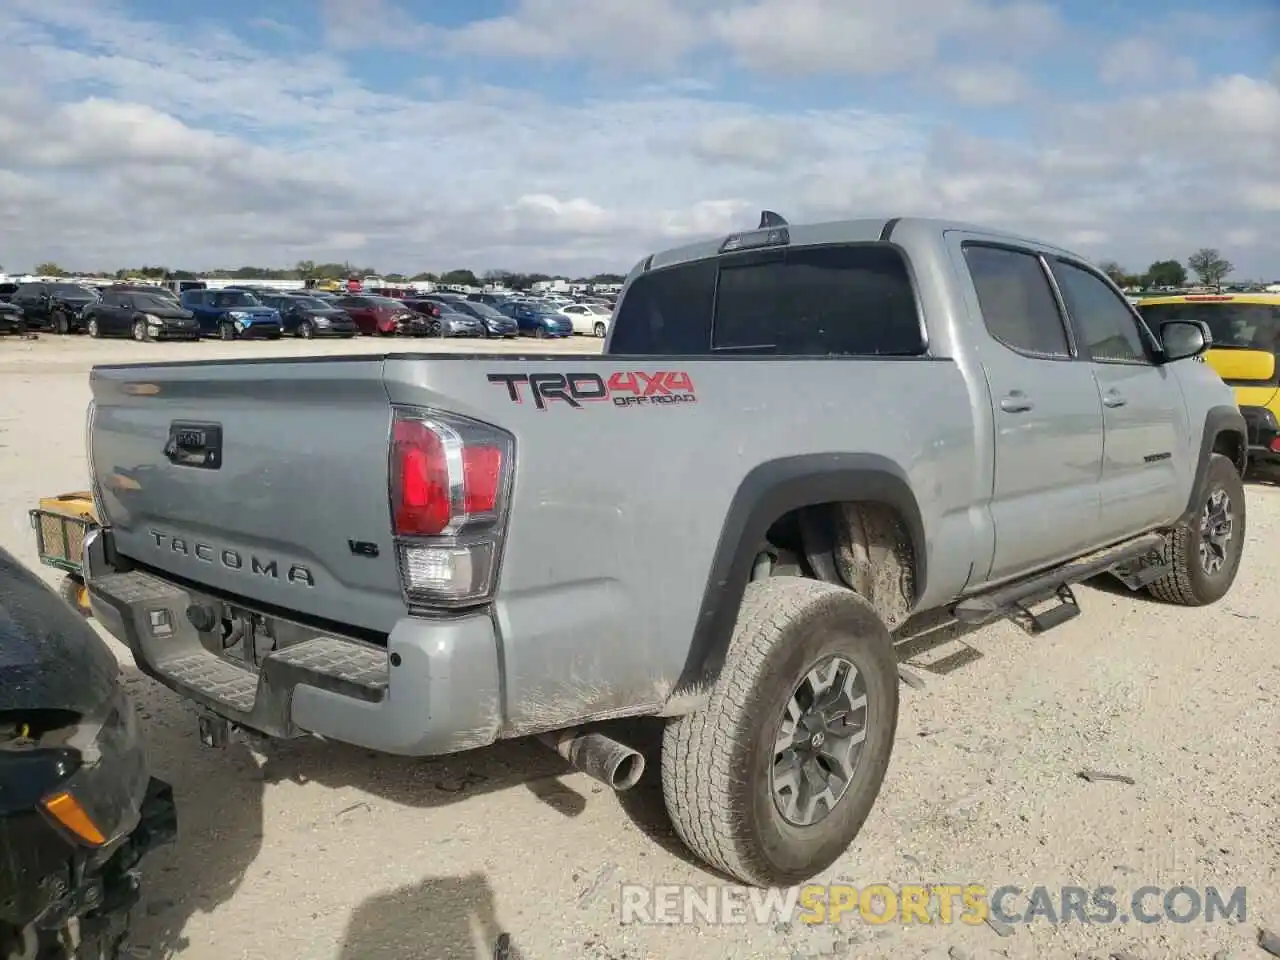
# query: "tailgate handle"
194,445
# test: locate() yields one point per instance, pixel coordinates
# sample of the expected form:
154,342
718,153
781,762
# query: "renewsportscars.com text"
969,904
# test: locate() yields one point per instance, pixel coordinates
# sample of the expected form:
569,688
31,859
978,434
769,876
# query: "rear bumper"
433,689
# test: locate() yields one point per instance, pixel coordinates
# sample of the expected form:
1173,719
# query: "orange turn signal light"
64,808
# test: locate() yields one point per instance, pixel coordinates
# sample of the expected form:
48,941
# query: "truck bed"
620,462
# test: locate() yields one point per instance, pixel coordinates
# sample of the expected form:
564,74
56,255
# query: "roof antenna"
770,219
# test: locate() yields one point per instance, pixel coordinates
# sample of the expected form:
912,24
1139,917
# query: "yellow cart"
61,524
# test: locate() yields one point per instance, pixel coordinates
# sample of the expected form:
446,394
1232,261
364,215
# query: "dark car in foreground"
56,306
232,314
143,316
307,317
537,320
78,806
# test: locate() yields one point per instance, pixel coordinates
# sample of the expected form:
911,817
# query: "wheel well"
865,545
1232,446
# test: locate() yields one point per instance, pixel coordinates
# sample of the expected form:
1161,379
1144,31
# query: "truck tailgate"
285,510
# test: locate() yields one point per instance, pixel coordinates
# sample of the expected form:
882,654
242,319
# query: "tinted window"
1017,303
807,301
151,301
234,298
1251,326
110,299
1106,327
29,290
72,290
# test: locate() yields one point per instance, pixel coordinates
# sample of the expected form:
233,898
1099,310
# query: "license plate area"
247,637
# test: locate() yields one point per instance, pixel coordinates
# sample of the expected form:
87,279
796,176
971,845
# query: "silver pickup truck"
797,437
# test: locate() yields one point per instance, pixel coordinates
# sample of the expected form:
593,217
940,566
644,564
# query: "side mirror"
1181,339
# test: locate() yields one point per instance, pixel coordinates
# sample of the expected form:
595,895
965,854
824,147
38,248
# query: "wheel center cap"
817,739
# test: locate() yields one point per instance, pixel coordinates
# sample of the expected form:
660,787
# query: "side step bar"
1141,559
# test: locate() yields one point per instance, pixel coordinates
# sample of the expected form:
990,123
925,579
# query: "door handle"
1113,399
1016,402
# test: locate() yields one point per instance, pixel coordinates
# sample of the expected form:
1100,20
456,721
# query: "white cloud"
1143,61
208,152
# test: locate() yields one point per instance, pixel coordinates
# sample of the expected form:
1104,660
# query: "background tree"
1118,274
462,277
1210,266
1166,273
304,269
49,270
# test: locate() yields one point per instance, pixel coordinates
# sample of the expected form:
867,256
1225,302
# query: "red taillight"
428,497
419,480
481,478
1275,445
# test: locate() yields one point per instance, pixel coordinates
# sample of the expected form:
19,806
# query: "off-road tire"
717,761
1187,584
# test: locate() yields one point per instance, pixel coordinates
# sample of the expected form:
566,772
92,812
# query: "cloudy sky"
579,135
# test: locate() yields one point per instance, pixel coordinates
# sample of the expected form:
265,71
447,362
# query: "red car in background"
381,315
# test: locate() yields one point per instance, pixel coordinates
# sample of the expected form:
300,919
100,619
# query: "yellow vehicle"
1245,353
60,525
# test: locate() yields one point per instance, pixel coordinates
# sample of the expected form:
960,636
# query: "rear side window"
850,300
1017,303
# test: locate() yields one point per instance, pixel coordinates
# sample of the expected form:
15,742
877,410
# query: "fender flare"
1218,420
766,494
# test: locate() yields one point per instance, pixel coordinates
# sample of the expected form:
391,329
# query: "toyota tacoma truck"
797,437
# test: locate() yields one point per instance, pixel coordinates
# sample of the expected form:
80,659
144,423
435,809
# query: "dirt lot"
315,851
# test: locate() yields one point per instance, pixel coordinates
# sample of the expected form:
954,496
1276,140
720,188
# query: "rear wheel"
773,778
61,322
1204,555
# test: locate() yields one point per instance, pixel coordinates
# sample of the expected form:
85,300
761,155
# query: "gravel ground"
315,851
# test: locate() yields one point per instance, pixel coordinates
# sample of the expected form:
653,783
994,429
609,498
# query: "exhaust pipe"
612,763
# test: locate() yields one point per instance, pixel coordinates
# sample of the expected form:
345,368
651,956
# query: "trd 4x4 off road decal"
622,389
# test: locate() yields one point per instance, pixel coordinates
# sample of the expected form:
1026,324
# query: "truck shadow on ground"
441,918
219,828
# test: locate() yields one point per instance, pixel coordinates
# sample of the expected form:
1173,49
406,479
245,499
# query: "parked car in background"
382,316
537,320
496,323
56,306
11,318
306,316
1245,353
444,319
492,299
7,290
143,316
232,314
141,288
589,319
